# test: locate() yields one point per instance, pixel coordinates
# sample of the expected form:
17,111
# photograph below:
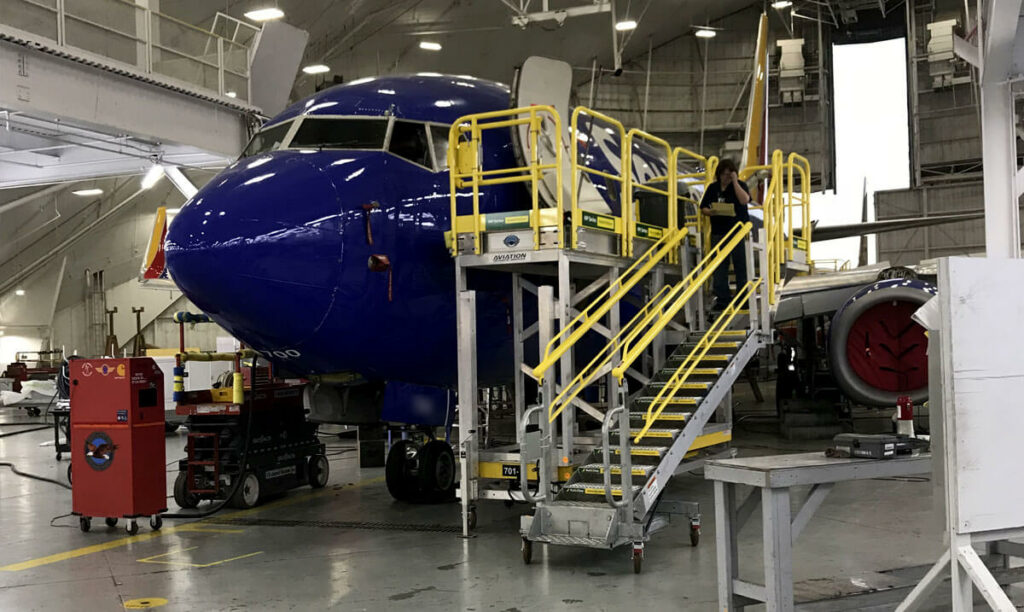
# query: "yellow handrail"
671,304
627,172
604,356
682,373
578,170
531,173
600,306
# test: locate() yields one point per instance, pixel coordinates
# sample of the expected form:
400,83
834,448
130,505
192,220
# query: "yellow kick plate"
509,470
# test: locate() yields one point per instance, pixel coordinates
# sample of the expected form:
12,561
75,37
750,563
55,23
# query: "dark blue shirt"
720,225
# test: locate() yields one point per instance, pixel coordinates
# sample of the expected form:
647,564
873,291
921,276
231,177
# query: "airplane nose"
259,248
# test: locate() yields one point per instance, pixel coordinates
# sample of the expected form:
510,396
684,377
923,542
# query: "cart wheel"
694,535
182,496
527,551
155,522
638,559
472,518
110,521
69,473
318,470
84,523
247,494
132,527
58,456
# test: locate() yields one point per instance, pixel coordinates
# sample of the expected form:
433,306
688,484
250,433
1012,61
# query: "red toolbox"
117,441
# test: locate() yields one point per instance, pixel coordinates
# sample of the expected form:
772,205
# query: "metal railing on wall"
151,41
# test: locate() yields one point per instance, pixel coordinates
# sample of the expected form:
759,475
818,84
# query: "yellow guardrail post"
534,182
630,184
579,170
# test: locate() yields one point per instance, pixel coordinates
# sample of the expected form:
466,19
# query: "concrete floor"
221,564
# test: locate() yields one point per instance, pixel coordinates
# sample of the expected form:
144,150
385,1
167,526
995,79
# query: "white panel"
275,60
983,308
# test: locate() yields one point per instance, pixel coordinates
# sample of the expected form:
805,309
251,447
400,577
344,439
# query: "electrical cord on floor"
24,431
60,517
216,507
26,423
33,476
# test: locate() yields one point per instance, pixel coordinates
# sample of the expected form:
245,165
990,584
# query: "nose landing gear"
421,474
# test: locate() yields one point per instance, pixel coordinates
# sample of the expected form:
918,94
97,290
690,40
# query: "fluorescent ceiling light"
430,45
231,94
19,292
625,25
781,4
265,14
88,192
316,69
155,172
704,33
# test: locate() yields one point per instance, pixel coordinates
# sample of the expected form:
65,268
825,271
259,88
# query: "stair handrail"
586,374
689,364
616,290
627,491
674,302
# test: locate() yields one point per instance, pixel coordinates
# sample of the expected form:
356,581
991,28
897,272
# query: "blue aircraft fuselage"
326,252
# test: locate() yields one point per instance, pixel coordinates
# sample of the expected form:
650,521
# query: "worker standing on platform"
726,190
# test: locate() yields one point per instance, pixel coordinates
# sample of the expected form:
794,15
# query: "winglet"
755,142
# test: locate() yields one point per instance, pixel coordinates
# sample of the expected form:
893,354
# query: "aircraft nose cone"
259,249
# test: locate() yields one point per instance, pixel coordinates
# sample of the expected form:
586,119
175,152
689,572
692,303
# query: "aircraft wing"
833,232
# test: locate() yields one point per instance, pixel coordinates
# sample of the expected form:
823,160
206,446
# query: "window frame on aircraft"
286,138
290,143
440,165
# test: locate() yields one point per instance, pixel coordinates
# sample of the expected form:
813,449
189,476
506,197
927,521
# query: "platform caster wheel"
132,527
318,470
110,521
638,560
471,518
58,456
182,496
694,535
69,473
84,523
527,551
155,523
247,494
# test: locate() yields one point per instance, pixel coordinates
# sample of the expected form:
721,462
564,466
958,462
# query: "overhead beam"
29,198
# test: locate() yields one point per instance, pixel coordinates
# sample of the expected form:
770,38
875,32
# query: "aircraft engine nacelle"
876,351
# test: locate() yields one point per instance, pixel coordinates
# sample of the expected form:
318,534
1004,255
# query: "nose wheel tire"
318,470
248,493
436,474
398,470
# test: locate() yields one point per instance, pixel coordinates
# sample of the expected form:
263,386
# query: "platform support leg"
468,441
726,528
778,550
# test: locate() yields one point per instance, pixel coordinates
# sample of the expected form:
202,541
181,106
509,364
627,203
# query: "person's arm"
740,189
705,203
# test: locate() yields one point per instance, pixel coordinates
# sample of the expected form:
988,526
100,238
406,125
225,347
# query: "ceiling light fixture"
19,292
625,25
316,69
93,191
430,45
265,14
154,174
781,4
705,33
231,94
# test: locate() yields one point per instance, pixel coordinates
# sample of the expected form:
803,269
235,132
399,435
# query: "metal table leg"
778,550
726,532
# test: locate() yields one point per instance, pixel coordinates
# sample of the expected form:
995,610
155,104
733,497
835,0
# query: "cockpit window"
409,140
267,140
341,133
439,139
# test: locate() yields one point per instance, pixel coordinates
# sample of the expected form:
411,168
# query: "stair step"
636,470
691,386
641,415
734,333
645,451
686,347
670,370
675,401
663,433
590,489
708,357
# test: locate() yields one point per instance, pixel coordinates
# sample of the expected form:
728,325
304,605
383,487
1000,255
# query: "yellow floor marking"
188,564
202,528
144,537
144,602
